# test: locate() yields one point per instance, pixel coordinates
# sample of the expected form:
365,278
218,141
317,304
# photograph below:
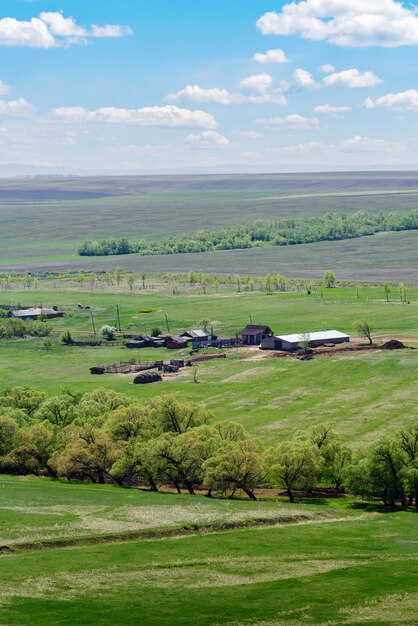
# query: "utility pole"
167,324
92,321
251,319
118,317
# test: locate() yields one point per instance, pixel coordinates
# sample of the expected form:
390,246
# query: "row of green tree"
282,232
12,327
107,436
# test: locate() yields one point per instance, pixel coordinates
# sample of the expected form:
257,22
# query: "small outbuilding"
292,342
35,313
253,335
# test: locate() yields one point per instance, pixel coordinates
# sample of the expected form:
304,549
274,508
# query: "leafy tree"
386,289
294,465
379,472
181,456
337,458
8,430
58,410
31,450
365,329
118,275
23,397
237,464
130,280
108,332
175,415
131,422
328,279
91,453
305,343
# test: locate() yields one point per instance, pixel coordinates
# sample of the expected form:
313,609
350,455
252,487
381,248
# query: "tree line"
13,327
104,436
282,232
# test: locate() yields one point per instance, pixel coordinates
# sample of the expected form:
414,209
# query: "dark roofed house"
253,335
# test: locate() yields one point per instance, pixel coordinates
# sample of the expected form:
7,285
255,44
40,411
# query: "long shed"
292,342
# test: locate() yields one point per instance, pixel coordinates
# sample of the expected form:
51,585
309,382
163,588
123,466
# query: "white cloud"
259,83
293,120
248,134
51,29
365,144
218,95
304,79
348,23
327,68
109,30
271,56
61,26
402,101
19,107
166,116
4,89
207,140
352,78
329,108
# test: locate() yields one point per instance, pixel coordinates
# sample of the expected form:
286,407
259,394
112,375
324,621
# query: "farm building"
253,335
200,335
36,312
292,342
175,342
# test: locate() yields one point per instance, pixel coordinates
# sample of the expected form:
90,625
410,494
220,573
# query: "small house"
35,313
200,338
253,335
175,342
292,342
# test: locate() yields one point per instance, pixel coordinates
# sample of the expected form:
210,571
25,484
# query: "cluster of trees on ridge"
104,435
283,232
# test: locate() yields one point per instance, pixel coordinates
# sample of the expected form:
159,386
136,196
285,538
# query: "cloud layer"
51,30
348,23
164,116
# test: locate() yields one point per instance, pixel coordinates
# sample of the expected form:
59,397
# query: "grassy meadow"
316,564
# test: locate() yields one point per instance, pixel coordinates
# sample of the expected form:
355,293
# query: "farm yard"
359,392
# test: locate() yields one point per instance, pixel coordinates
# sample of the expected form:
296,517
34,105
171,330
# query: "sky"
141,85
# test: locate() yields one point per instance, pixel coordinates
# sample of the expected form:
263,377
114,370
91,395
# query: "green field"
44,221
78,553
362,394
329,563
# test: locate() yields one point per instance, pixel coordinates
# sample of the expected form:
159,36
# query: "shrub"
66,338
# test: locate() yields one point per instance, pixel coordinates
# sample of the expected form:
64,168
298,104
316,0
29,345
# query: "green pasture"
334,565
363,394
40,510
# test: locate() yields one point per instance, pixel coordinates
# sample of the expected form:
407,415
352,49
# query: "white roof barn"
292,342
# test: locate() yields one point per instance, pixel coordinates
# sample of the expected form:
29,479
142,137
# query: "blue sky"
159,84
